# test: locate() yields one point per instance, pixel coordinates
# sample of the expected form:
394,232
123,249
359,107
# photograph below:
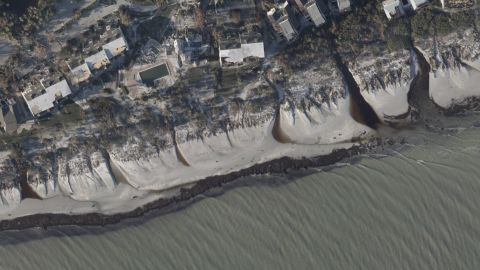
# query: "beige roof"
97,60
116,47
80,74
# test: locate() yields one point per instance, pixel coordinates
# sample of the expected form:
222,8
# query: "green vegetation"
430,20
398,34
361,29
154,28
70,114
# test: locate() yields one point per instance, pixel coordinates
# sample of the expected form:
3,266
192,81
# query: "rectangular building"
314,10
398,8
115,47
339,6
80,74
8,121
238,55
97,61
43,100
283,21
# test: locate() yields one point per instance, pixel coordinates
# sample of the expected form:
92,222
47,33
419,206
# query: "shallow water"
417,208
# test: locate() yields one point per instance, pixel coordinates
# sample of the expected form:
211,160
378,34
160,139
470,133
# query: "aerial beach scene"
233,134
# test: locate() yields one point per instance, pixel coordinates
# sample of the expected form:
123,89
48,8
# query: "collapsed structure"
235,50
239,33
8,121
45,88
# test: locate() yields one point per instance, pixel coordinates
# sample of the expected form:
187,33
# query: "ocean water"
414,207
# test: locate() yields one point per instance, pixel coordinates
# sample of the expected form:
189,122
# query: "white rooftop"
391,8
417,3
287,29
46,101
271,12
115,47
283,5
97,60
343,5
81,73
315,14
246,50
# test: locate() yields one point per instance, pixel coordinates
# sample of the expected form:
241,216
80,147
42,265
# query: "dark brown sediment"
277,132
419,95
360,110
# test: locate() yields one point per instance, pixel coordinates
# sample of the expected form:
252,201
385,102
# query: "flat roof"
343,5
98,58
287,28
115,47
80,73
237,55
148,76
315,14
46,101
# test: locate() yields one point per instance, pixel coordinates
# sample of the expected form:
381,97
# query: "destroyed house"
95,47
8,121
235,49
191,47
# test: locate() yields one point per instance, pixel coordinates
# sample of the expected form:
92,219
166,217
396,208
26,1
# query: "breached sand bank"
385,82
112,183
105,186
455,67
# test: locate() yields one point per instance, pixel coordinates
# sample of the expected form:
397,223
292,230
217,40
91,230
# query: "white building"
282,21
237,55
115,47
393,8
342,5
398,8
97,61
314,10
415,4
315,13
80,74
47,97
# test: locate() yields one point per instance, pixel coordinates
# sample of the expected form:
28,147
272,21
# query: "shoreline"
420,104
280,165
